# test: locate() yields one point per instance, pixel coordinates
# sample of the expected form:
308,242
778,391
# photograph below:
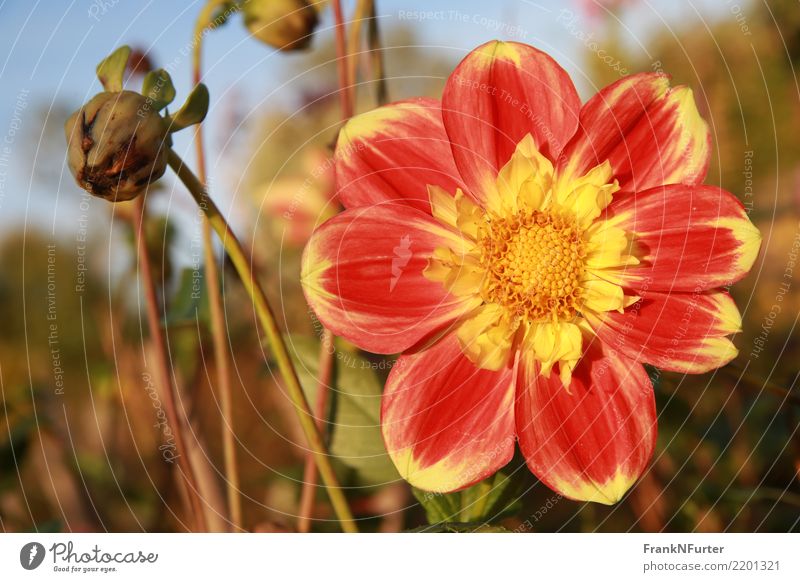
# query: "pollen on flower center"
534,263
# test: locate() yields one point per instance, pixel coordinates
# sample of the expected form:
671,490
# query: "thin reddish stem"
342,58
169,389
324,381
215,301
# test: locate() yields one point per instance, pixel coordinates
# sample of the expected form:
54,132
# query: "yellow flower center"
532,261
534,264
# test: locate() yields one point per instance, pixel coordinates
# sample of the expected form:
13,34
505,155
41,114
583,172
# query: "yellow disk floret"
534,264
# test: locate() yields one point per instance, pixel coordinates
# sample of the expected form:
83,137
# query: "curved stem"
266,317
162,366
219,338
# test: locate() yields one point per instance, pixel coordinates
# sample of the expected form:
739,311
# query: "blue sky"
48,51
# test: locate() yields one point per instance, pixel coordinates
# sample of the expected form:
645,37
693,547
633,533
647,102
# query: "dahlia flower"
526,255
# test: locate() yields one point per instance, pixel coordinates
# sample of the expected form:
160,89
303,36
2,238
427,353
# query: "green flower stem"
265,315
219,340
476,512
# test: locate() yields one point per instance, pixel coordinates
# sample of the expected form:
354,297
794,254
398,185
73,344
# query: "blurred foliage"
87,457
354,407
487,501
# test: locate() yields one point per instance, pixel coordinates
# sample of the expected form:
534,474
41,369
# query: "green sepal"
193,111
111,70
158,88
486,501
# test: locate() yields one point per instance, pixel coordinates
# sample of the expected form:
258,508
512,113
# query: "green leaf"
111,70
458,527
491,499
193,111
439,507
354,412
190,300
486,501
158,88
187,318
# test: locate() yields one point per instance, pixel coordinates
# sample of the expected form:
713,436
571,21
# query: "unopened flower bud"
284,24
116,145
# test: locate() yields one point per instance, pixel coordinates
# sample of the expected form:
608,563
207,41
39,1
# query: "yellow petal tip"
608,493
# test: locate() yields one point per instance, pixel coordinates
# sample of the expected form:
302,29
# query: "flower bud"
116,145
284,24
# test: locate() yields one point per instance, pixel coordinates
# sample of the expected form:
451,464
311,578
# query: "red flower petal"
689,238
652,134
680,332
447,424
501,92
393,153
362,276
593,440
